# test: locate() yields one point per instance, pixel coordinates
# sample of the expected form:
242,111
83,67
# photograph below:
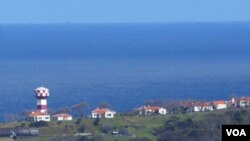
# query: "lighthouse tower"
41,95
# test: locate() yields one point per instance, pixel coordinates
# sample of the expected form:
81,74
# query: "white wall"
197,108
42,118
162,111
61,118
209,108
109,114
95,115
221,106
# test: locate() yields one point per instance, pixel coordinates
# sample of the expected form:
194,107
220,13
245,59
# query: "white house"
162,111
103,113
244,102
38,116
220,104
207,106
62,116
202,106
149,110
188,106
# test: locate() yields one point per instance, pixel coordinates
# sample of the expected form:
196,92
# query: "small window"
109,115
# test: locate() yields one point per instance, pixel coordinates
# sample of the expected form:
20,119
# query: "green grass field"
5,139
139,126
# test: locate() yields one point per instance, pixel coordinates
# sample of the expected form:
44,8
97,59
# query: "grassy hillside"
144,128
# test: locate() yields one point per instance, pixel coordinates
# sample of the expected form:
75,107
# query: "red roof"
37,113
219,102
245,98
187,103
207,104
101,111
63,115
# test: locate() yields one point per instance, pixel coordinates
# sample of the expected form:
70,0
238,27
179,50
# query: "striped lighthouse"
41,95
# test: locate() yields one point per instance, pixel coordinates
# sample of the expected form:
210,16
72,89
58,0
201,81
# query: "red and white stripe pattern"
41,95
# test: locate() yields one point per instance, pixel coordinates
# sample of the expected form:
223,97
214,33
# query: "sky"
122,11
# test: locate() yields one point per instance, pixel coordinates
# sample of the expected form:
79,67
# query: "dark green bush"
96,121
140,139
81,128
106,128
39,124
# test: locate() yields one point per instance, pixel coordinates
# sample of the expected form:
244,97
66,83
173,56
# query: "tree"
39,124
104,105
124,132
51,111
10,117
153,103
107,128
172,106
78,109
140,139
96,121
24,115
81,129
63,110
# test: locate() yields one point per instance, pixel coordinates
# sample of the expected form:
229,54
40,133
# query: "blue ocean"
122,64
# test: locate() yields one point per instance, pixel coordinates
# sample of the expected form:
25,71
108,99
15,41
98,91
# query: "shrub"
59,122
140,139
124,132
81,128
69,138
39,124
186,123
78,121
106,128
96,121
238,117
23,124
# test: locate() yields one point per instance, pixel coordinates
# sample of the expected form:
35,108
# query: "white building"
62,116
244,102
103,113
197,108
162,111
219,104
149,110
38,116
202,106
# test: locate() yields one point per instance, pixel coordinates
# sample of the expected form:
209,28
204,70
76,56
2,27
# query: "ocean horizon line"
111,23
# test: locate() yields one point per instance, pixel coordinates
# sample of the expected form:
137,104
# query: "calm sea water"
123,64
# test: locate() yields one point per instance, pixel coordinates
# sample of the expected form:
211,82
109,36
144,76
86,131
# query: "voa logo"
236,132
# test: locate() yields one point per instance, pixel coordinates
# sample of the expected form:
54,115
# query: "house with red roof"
219,104
103,113
149,110
207,106
202,106
197,106
187,106
244,102
38,116
62,117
